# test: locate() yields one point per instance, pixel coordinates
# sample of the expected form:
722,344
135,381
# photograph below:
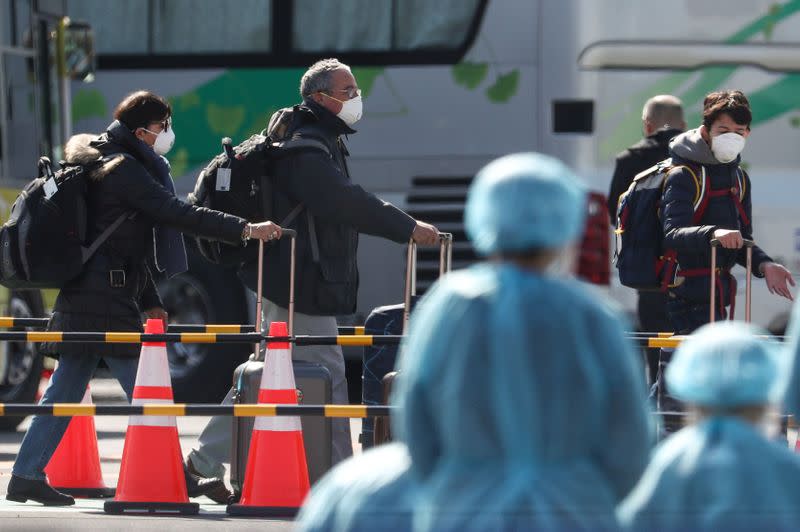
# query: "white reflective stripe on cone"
278,423
153,367
87,397
152,421
278,373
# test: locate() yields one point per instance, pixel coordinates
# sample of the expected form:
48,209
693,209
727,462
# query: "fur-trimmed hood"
80,149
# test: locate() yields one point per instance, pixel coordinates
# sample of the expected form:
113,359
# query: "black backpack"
641,259
239,181
43,243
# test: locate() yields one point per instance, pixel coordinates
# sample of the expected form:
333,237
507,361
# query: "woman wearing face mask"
723,472
133,187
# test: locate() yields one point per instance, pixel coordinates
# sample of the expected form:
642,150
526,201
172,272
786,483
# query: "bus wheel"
24,370
202,373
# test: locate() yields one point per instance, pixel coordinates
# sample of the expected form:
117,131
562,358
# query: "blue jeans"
67,385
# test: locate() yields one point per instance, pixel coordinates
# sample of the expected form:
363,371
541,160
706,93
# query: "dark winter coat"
340,210
639,157
692,242
89,302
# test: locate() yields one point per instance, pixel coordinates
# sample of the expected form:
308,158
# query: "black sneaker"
21,490
198,485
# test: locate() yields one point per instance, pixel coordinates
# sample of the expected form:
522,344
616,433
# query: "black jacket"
89,302
637,158
340,210
692,242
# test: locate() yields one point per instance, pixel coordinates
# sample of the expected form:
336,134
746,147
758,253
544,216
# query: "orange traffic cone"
75,466
276,479
151,477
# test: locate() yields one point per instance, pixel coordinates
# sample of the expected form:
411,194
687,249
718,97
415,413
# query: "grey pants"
214,447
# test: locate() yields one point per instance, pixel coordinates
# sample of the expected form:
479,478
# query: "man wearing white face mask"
315,195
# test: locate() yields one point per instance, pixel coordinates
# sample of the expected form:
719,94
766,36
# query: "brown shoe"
213,488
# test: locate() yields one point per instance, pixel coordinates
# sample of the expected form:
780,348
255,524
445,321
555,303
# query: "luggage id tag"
223,179
50,187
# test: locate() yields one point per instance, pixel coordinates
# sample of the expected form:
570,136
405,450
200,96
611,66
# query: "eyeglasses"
165,124
351,92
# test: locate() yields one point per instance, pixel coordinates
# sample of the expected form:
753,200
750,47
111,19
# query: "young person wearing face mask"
116,286
715,146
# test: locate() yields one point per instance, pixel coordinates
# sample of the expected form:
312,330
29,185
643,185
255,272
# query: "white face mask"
727,147
164,140
351,110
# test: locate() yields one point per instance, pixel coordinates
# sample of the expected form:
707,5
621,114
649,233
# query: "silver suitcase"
314,383
312,380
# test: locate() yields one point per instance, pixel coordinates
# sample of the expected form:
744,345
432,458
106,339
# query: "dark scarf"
169,252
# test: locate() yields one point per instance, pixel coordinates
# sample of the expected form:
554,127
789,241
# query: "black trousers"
652,313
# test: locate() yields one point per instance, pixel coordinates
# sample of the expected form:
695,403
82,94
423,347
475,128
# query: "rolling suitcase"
313,382
671,408
389,320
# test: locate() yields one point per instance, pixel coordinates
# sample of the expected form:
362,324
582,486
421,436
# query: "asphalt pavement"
88,514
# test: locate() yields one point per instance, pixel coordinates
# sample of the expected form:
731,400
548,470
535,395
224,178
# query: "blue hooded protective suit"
521,404
792,399
723,473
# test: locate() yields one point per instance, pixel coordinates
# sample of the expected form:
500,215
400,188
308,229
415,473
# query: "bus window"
22,135
242,26
381,25
111,34
15,22
170,27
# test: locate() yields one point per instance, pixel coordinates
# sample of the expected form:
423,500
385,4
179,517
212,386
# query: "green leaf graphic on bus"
470,75
504,88
88,104
692,88
224,119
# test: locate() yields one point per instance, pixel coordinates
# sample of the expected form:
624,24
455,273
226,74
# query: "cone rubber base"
160,508
88,493
261,511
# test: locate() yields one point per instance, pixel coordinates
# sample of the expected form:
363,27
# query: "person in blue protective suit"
792,399
723,472
521,406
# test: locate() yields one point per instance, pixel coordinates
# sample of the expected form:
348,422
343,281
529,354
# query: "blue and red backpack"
640,257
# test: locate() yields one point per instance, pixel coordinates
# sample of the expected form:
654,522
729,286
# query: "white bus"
448,85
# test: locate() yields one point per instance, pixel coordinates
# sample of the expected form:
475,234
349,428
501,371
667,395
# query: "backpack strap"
297,143
738,195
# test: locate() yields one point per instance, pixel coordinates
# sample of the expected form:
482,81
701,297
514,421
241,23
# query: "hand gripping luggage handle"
445,265
292,234
748,244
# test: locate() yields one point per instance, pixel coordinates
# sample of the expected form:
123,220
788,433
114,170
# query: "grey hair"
318,76
664,110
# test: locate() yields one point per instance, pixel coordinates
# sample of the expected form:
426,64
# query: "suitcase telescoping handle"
748,244
292,234
445,265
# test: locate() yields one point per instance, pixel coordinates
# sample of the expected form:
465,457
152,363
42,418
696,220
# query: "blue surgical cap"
522,202
725,365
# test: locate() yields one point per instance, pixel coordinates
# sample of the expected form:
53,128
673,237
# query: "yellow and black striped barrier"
241,410
7,322
195,338
181,410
